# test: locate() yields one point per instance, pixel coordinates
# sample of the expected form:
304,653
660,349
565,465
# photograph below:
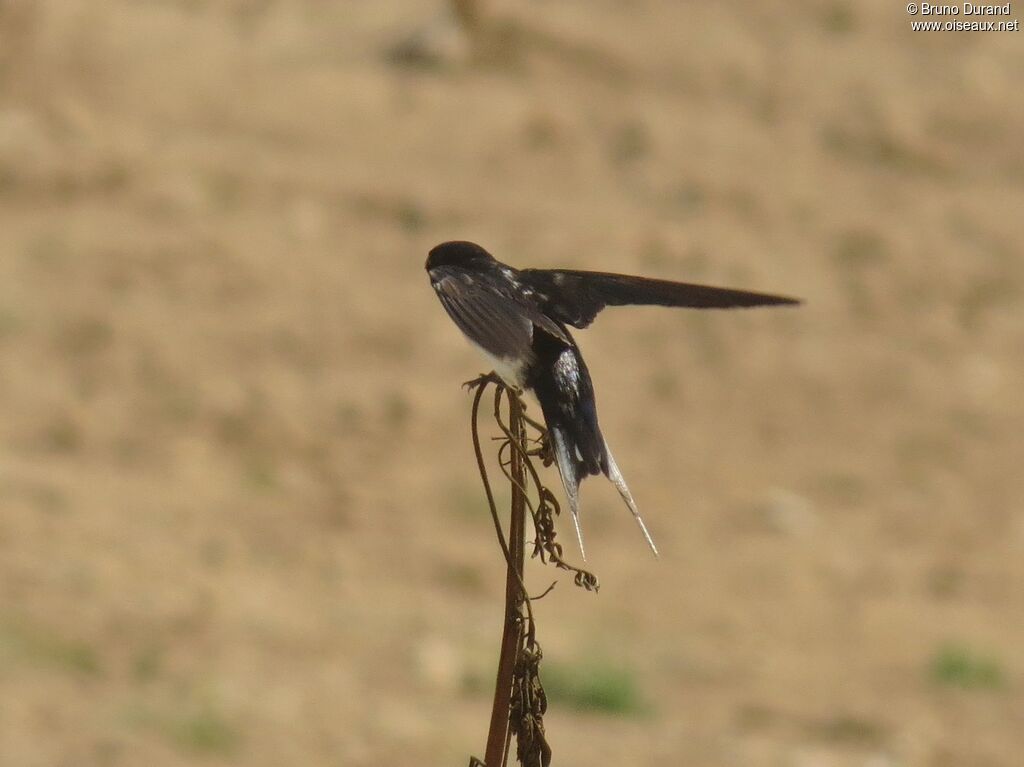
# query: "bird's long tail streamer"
616,477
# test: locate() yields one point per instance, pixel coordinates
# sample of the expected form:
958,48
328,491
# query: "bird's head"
458,253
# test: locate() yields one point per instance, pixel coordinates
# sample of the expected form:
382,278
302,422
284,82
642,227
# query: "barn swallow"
517,318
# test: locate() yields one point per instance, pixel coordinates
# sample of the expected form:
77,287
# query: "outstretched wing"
490,314
575,297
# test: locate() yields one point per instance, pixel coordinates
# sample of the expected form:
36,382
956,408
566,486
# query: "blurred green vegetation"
22,641
594,685
959,665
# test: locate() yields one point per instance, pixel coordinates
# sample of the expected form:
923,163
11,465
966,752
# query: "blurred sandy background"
239,518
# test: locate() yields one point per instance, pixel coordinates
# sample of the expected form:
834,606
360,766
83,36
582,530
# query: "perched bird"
518,318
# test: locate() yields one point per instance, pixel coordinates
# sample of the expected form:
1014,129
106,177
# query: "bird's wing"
576,297
494,317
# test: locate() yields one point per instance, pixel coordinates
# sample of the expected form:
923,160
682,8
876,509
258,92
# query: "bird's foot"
543,450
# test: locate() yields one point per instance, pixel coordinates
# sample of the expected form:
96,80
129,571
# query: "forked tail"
572,471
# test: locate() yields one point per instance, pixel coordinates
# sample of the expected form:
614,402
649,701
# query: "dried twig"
519,700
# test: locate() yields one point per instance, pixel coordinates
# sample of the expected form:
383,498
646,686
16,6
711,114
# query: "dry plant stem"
481,384
519,701
499,735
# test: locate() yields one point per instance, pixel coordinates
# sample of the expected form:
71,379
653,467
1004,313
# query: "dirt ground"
239,518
